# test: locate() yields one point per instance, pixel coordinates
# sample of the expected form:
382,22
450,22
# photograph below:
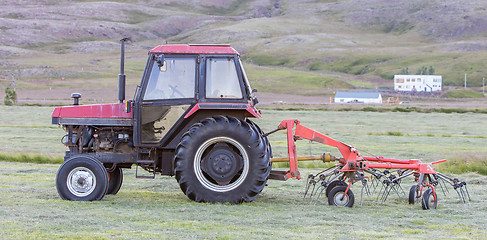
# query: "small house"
358,97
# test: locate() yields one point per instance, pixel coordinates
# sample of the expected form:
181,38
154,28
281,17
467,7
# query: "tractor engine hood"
102,115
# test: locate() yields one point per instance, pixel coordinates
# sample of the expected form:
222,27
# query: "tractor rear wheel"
82,179
222,159
115,180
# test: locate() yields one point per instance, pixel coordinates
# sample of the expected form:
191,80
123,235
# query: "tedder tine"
439,183
311,181
318,195
468,194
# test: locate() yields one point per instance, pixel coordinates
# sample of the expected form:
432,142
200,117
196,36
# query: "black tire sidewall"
425,200
115,180
412,194
332,185
93,165
250,140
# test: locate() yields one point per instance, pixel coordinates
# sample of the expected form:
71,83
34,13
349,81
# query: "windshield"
176,79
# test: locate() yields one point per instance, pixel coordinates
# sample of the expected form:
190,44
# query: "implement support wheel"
428,201
333,184
413,194
337,197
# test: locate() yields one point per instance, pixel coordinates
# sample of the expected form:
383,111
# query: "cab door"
166,94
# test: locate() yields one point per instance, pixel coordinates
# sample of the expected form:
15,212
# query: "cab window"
176,79
222,79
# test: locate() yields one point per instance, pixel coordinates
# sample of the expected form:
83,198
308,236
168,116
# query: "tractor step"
278,175
148,163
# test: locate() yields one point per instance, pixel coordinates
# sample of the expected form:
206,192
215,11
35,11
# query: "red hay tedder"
190,117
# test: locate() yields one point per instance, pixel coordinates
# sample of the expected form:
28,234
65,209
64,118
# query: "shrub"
10,96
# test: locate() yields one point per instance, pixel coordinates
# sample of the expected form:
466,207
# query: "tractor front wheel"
222,159
115,180
82,179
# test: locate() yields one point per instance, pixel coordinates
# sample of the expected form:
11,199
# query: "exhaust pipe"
121,76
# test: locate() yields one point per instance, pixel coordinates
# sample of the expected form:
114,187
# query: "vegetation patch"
465,164
463,93
24,158
292,81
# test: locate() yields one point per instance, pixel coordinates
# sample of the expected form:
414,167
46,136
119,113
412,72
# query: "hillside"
51,47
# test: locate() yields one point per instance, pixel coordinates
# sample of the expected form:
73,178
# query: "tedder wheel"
222,159
333,184
428,201
413,194
115,180
82,179
337,197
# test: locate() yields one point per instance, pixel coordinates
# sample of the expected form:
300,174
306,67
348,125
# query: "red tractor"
189,118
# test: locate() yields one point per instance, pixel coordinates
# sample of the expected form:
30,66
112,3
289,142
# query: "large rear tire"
82,179
222,159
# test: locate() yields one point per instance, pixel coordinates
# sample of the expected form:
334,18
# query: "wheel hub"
222,164
341,199
81,181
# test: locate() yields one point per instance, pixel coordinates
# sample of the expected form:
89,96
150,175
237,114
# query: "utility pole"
483,86
465,80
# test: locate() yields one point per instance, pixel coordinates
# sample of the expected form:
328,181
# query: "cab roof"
194,49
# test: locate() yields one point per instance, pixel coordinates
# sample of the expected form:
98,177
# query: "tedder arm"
352,166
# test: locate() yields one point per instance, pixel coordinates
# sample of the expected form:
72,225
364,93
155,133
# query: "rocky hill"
347,43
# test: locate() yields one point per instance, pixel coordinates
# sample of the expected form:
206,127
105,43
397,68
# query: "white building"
417,83
358,97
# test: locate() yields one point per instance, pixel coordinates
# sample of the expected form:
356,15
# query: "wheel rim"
341,199
431,201
219,169
81,181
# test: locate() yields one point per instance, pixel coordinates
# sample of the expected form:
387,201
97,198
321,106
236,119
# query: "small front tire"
115,180
82,179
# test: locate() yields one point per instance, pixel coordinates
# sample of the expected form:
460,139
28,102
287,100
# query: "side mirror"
161,63
254,90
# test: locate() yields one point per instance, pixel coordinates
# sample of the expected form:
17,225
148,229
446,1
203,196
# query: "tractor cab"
182,79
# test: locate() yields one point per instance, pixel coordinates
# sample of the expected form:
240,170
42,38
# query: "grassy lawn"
150,209
157,209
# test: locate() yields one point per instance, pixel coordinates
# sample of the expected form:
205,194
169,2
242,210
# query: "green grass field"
152,209
157,209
